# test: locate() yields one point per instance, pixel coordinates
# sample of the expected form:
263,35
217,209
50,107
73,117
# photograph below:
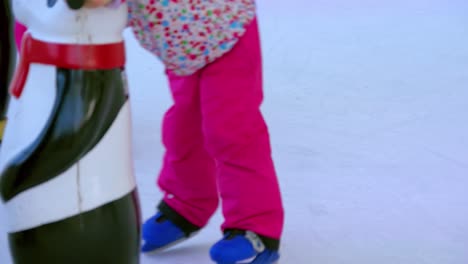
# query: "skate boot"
165,229
246,247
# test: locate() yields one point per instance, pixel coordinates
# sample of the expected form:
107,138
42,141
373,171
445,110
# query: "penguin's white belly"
30,112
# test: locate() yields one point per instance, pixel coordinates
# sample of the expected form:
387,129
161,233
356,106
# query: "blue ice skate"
165,229
245,247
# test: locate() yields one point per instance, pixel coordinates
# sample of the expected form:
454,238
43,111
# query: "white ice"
367,103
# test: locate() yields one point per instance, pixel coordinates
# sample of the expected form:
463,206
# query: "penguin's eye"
51,3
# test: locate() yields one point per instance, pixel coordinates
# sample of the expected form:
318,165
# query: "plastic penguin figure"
7,59
66,173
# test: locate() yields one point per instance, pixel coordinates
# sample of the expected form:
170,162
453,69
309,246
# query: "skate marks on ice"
367,115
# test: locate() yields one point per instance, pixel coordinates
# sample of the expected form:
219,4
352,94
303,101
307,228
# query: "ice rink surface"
367,104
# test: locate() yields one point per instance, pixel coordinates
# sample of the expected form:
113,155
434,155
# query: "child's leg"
188,173
237,136
19,32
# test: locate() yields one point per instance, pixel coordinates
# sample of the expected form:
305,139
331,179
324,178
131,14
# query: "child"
217,142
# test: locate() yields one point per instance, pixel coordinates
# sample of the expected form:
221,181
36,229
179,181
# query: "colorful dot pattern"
189,34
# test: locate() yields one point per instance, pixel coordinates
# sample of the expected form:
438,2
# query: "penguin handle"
75,4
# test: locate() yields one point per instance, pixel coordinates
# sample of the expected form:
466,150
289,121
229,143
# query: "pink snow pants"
19,32
217,144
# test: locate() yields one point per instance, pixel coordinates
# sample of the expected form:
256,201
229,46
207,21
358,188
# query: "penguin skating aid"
66,167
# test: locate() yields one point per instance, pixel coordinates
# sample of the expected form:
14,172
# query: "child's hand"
96,3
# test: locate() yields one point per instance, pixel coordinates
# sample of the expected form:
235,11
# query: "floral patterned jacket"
188,34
